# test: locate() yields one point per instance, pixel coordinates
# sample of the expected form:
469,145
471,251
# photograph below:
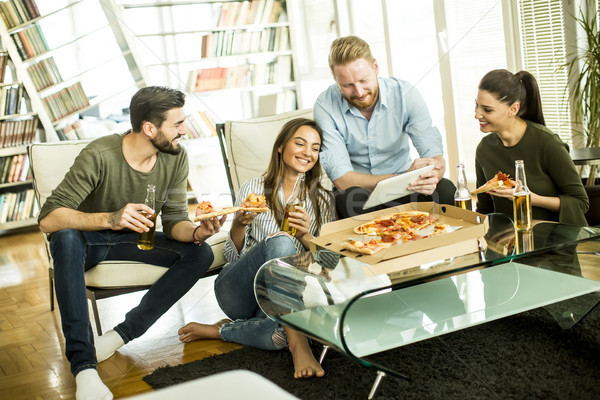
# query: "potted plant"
584,77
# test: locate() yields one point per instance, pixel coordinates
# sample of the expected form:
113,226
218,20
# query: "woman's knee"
280,246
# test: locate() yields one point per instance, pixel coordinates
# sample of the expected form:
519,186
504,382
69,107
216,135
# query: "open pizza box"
452,243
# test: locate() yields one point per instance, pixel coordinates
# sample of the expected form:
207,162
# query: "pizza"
254,203
205,210
500,180
407,221
398,227
369,247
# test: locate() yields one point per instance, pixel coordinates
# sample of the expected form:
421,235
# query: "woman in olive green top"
509,109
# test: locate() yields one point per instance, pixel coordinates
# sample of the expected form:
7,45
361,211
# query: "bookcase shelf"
93,103
250,27
27,182
72,79
236,58
7,226
228,34
40,75
53,98
41,17
17,202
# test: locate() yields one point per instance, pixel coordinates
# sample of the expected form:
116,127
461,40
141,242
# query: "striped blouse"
265,224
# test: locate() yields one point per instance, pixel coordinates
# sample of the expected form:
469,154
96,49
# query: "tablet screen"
393,188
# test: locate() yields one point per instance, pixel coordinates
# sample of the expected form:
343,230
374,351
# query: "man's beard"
163,145
361,105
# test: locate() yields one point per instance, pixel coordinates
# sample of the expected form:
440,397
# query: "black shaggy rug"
526,356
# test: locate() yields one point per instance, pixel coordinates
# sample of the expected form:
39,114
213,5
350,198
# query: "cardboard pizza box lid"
473,226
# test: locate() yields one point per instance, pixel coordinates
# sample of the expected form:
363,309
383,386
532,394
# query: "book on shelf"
227,43
17,206
276,72
17,12
44,73
3,64
66,101
10,99
18,132
73,131
30,42
199,125
249,13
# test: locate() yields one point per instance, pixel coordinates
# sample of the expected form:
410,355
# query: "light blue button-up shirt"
379,146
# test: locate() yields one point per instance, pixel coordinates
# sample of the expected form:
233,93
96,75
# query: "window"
543,45
473,39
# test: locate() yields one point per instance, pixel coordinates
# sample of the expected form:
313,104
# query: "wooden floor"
32,362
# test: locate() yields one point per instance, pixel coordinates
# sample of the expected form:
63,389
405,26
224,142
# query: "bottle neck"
462,190
298,189
520,179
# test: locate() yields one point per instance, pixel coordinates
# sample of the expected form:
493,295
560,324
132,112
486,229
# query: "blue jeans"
74,252
234,288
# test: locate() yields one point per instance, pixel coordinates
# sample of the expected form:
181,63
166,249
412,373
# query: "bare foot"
305,364
194,331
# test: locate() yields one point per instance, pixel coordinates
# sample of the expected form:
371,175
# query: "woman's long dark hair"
509,88
274,174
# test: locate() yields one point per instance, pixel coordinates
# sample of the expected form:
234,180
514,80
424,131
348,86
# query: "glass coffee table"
337,301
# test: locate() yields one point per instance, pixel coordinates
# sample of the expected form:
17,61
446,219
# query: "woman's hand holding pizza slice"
500,181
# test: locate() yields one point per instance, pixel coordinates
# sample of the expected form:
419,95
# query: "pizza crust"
254,209
218,213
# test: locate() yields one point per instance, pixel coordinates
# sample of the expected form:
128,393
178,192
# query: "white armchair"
49,164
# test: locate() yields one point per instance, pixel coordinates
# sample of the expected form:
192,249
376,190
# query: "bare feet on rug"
305,364
195,331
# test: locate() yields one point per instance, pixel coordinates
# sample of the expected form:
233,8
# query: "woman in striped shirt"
256,238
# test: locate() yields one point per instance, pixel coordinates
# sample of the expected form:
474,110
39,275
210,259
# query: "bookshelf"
58,98
235,59
18,207
41,95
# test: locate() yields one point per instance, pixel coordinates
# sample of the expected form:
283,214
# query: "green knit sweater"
549,170
100,180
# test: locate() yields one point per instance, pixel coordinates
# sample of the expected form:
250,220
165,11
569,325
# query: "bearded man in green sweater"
95,214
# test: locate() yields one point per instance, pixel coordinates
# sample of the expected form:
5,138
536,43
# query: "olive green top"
549,171
100,180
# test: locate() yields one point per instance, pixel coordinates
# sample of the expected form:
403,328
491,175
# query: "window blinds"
544,51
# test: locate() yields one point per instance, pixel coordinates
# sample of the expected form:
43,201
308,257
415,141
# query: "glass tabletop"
340,302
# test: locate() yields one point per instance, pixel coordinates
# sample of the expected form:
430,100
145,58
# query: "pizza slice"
500,180
254,203
406,221
369,247
205,210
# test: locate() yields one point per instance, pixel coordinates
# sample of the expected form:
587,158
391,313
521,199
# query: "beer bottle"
462,196
521,198
294,200
146,239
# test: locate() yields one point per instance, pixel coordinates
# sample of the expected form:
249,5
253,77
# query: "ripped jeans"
234,289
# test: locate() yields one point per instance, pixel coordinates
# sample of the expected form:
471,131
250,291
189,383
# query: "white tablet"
393,188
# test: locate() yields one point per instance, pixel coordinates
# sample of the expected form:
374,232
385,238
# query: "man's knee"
66,240
444,192
349,202
204,254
